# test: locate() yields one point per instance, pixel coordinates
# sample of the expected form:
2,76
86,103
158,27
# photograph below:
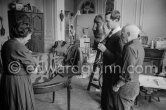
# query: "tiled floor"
81,99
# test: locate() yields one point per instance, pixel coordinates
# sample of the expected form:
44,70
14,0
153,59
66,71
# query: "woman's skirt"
16,93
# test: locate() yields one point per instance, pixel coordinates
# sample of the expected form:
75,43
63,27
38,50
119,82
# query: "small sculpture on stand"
61,16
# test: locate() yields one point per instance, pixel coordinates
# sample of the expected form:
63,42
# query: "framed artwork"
88,6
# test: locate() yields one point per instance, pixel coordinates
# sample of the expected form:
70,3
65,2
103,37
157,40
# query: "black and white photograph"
82,54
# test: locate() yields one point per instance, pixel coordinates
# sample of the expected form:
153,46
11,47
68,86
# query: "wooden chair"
54,81
54,85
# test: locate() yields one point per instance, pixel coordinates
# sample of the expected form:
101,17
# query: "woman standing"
16,92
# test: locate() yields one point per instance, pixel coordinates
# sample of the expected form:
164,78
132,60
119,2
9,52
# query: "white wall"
60,25
130,11
154,18
149,14
54,28
49,23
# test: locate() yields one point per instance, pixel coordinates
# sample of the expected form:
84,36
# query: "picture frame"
87,6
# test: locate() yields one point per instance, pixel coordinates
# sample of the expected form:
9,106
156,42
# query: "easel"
97,63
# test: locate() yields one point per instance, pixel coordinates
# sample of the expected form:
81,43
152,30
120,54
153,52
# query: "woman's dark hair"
21,30
115,14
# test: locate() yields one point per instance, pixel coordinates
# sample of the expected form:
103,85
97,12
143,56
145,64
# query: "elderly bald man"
127,87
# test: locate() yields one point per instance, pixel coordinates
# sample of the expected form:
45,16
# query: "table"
152,81
149,86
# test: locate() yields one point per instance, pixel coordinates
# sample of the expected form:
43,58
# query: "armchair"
48,78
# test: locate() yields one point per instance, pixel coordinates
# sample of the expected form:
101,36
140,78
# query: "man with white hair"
127,87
